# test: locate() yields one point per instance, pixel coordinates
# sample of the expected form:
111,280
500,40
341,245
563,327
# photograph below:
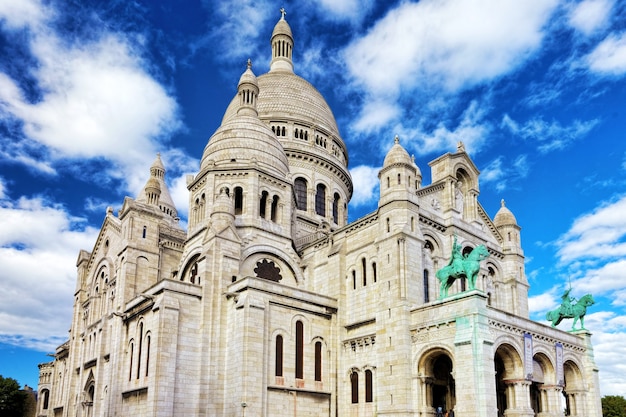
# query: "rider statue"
456,261
566,304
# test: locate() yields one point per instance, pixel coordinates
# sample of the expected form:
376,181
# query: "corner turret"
399,177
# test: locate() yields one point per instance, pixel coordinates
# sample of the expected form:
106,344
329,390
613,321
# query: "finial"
283,13
460,147
249,63
396,140
502,202
412,158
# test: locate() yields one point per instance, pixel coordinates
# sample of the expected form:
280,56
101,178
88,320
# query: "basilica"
270,303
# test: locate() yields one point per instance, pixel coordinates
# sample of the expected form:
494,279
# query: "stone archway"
512,393
574,390
438,385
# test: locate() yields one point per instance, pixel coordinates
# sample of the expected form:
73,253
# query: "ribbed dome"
397,155
504,217
245,140
287,96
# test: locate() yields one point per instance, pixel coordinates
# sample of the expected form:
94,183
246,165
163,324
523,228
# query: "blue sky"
90,91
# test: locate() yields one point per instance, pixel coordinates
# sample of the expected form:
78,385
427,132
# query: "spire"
248,91
282,45
155,192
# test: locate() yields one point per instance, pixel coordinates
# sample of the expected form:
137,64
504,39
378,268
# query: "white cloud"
609,347
590,15
480,40
39,243
365,180
375,113
471,129
350,10
597,234
97,100
609,57
502,174
549,136
237,33
17,14
538,305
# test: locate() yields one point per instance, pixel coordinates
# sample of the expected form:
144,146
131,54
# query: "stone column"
518,398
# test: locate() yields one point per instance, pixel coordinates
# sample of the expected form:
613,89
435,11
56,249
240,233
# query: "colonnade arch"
435,369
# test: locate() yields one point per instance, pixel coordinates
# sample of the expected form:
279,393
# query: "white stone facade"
271,304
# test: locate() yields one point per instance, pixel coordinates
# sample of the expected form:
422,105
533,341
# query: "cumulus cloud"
609,56
590,15
96,99
365,180
480,40
23,13
549,135
236,33
38,246
502,175
349,10
598,234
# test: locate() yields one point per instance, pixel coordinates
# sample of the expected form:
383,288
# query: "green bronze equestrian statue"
461,267
567,310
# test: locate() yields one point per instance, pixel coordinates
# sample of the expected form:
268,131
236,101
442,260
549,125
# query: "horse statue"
567,310
461,267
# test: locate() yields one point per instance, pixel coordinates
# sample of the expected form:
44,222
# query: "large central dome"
286,95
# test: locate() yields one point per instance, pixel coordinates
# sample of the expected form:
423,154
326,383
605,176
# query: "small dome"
504,217
397,155
282,28
245,140
248,76
153,185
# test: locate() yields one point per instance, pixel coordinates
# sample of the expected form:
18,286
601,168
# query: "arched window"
140,346
263,204
46,399
399,180
318,361
279,356
238,200
353,279
364,271
374,271
426,287
143,235
274,209
130,367
369,394
300,189
336,208
320,200
354,384
147,354
299,350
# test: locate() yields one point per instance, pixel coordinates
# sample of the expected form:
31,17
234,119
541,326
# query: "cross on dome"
283,12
